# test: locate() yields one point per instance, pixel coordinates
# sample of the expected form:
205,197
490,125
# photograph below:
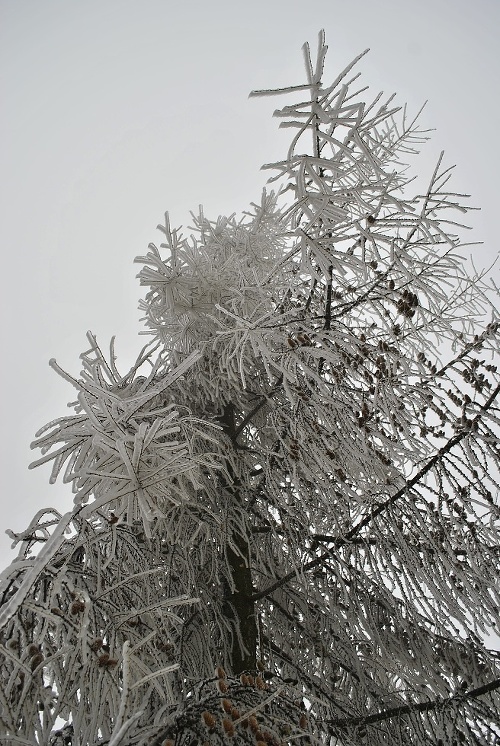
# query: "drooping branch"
394,712
352,533
420,474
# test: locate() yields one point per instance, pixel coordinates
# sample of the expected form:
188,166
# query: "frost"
294,487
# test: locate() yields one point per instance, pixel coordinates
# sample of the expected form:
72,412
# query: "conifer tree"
285,522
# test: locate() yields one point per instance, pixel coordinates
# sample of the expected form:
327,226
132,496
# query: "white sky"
113,111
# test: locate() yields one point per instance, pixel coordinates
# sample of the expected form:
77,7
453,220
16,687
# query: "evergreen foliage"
285,526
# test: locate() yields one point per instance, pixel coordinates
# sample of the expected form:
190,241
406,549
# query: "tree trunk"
240,609
238,606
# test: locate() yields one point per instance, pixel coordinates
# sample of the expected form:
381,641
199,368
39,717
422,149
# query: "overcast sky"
114,111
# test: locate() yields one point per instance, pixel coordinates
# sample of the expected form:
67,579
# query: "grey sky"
114,111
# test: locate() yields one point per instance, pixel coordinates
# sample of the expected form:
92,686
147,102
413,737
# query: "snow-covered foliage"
295,487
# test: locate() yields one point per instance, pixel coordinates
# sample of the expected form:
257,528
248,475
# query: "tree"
286,513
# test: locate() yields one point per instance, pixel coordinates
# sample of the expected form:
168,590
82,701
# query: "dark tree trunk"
239,607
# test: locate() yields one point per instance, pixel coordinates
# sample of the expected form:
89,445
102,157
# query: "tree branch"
237,431
350,535
378,717
418,476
